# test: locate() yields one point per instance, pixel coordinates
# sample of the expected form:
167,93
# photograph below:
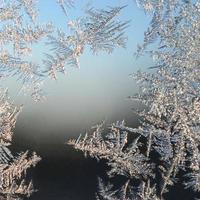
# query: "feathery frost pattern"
19,31
170,126
98,30
12,167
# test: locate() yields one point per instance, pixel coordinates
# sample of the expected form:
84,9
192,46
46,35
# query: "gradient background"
75,102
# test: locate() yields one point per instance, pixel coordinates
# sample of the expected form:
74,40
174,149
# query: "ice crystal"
12,167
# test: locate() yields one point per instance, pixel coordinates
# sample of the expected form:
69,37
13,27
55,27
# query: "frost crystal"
17,37
12,167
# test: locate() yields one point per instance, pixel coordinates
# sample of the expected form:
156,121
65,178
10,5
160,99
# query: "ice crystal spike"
65,4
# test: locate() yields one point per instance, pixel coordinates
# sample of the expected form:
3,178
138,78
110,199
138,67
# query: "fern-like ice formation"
12,167
170,125
98,30
19,31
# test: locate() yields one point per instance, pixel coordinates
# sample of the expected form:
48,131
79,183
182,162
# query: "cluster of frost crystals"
98,30
172,93
19,31
12,167
167,141
125,157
